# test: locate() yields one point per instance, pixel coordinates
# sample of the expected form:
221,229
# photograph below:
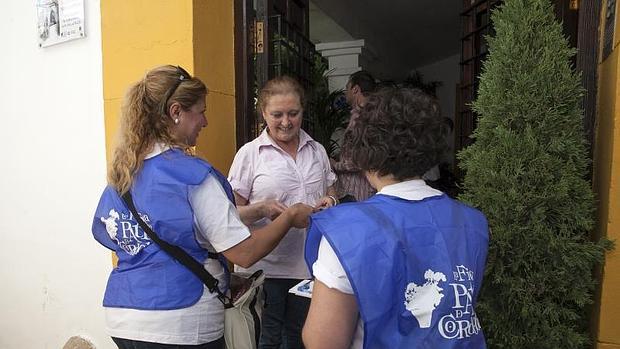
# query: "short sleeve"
328,269
331,176
241,174
215,217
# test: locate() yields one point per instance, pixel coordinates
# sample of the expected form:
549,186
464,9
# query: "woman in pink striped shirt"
281,167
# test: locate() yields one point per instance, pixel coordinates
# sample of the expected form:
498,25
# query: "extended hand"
299,213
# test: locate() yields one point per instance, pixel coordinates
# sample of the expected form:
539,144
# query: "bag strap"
179,254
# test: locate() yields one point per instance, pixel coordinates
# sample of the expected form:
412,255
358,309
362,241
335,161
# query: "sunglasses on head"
183,76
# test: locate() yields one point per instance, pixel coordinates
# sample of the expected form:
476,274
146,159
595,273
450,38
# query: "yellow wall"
214,63
606,181
197,34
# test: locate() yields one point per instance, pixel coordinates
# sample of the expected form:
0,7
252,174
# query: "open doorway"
441,42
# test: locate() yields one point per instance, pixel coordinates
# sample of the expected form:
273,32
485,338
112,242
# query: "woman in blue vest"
151,300
402,269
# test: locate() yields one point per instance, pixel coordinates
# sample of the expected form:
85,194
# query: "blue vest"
147,277
415,267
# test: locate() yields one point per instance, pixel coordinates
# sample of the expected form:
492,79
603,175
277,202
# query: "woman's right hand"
299,214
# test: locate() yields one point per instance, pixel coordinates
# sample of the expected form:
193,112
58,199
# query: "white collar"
415,189
157,149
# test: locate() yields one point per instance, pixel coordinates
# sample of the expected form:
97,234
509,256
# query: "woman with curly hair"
151,300
402,269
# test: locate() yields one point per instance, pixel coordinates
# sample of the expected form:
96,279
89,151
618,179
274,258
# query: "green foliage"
326,119
325,115
526,171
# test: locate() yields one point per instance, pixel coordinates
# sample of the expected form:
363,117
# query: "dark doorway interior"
273,38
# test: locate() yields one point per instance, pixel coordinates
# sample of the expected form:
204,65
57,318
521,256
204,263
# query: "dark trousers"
122,343
284,315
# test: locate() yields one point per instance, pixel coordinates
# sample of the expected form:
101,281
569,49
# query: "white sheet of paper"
303,289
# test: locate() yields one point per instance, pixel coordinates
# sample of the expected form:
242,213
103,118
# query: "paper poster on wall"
59,21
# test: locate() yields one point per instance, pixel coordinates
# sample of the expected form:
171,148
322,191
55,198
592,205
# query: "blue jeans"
283,317
122,343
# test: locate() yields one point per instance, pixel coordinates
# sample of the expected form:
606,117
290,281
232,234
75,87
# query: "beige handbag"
243,320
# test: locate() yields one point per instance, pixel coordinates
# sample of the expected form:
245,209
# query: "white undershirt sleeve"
217,222
328,269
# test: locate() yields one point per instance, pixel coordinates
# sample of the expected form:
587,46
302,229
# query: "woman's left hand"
326,202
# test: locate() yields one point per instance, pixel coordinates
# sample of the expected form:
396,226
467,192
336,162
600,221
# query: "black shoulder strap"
179,254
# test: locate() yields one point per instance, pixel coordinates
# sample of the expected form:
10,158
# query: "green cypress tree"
526,171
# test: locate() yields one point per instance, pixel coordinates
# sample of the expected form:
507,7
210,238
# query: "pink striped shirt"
261,171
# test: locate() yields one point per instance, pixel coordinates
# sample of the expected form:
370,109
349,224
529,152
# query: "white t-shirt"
218,228
262,171
328,268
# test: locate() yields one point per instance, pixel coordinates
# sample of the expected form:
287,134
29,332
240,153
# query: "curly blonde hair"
145,120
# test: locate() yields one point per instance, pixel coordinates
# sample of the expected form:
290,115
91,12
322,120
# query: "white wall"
323,28
52,171
448,72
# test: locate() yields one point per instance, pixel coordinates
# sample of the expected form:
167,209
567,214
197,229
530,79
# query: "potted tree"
527,172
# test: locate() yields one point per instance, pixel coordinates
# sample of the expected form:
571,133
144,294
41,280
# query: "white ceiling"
403,34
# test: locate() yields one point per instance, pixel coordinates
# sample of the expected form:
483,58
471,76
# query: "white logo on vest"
421,301
132,238
463,321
